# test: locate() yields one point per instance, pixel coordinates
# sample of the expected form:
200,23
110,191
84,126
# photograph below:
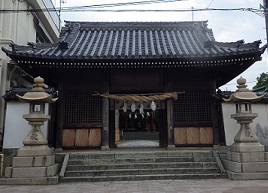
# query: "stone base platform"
31,175
31,172
247,176
32,165
30,181
246,165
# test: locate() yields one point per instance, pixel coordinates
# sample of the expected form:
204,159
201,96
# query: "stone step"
130,154
140,160
154,165
142,166
157,171
142,177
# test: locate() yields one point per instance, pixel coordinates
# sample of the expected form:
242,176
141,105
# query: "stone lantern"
243,98
35,161
36,117
246,158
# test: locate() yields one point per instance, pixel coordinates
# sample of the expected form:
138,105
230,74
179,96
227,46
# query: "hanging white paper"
125,107
133,107
153,106
141,109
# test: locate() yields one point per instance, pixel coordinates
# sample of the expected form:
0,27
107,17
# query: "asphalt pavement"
161,186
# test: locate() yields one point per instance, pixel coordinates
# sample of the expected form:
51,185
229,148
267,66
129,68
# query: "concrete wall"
259,125
19,28
50,20
17,128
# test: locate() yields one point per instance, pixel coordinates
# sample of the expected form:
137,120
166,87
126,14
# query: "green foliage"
262,82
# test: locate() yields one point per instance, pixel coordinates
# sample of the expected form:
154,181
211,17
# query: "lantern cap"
38,93
242,94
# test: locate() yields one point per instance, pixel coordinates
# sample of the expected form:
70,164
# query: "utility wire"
92,8
124,4
130,10
210,3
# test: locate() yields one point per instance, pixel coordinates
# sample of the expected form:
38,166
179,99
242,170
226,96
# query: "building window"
41,35
39,38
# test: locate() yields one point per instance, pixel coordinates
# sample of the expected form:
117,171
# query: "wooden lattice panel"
206,135
180,135
94,137
82,108
192,107
81,137
68,137
193,135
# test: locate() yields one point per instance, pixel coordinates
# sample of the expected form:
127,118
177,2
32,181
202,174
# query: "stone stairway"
129,166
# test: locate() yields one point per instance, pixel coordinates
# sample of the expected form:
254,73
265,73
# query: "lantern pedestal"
246,140
246,159
246,165
35,162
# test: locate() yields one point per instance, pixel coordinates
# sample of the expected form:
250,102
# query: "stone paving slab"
139,143
161,186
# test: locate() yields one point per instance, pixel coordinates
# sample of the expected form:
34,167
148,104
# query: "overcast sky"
228,26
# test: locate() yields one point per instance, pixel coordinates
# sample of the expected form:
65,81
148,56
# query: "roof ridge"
160,24
205,21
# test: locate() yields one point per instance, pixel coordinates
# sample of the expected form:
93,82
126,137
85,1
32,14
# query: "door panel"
193,135
81,137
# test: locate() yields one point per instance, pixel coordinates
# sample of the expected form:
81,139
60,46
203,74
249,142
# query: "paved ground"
139,143
163,186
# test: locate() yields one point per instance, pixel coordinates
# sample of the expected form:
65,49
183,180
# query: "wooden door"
81,137
82,120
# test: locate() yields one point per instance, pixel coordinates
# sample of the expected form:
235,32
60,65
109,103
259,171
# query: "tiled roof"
130,40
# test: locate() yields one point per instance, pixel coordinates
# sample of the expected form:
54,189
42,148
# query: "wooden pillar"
170,114
111,127
105,120
162,128
60,117
170,124
105,125
117,129
214,115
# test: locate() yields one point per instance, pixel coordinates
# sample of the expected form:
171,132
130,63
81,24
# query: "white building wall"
259,125
17,128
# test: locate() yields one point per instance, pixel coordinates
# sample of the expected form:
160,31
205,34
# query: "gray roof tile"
96,40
